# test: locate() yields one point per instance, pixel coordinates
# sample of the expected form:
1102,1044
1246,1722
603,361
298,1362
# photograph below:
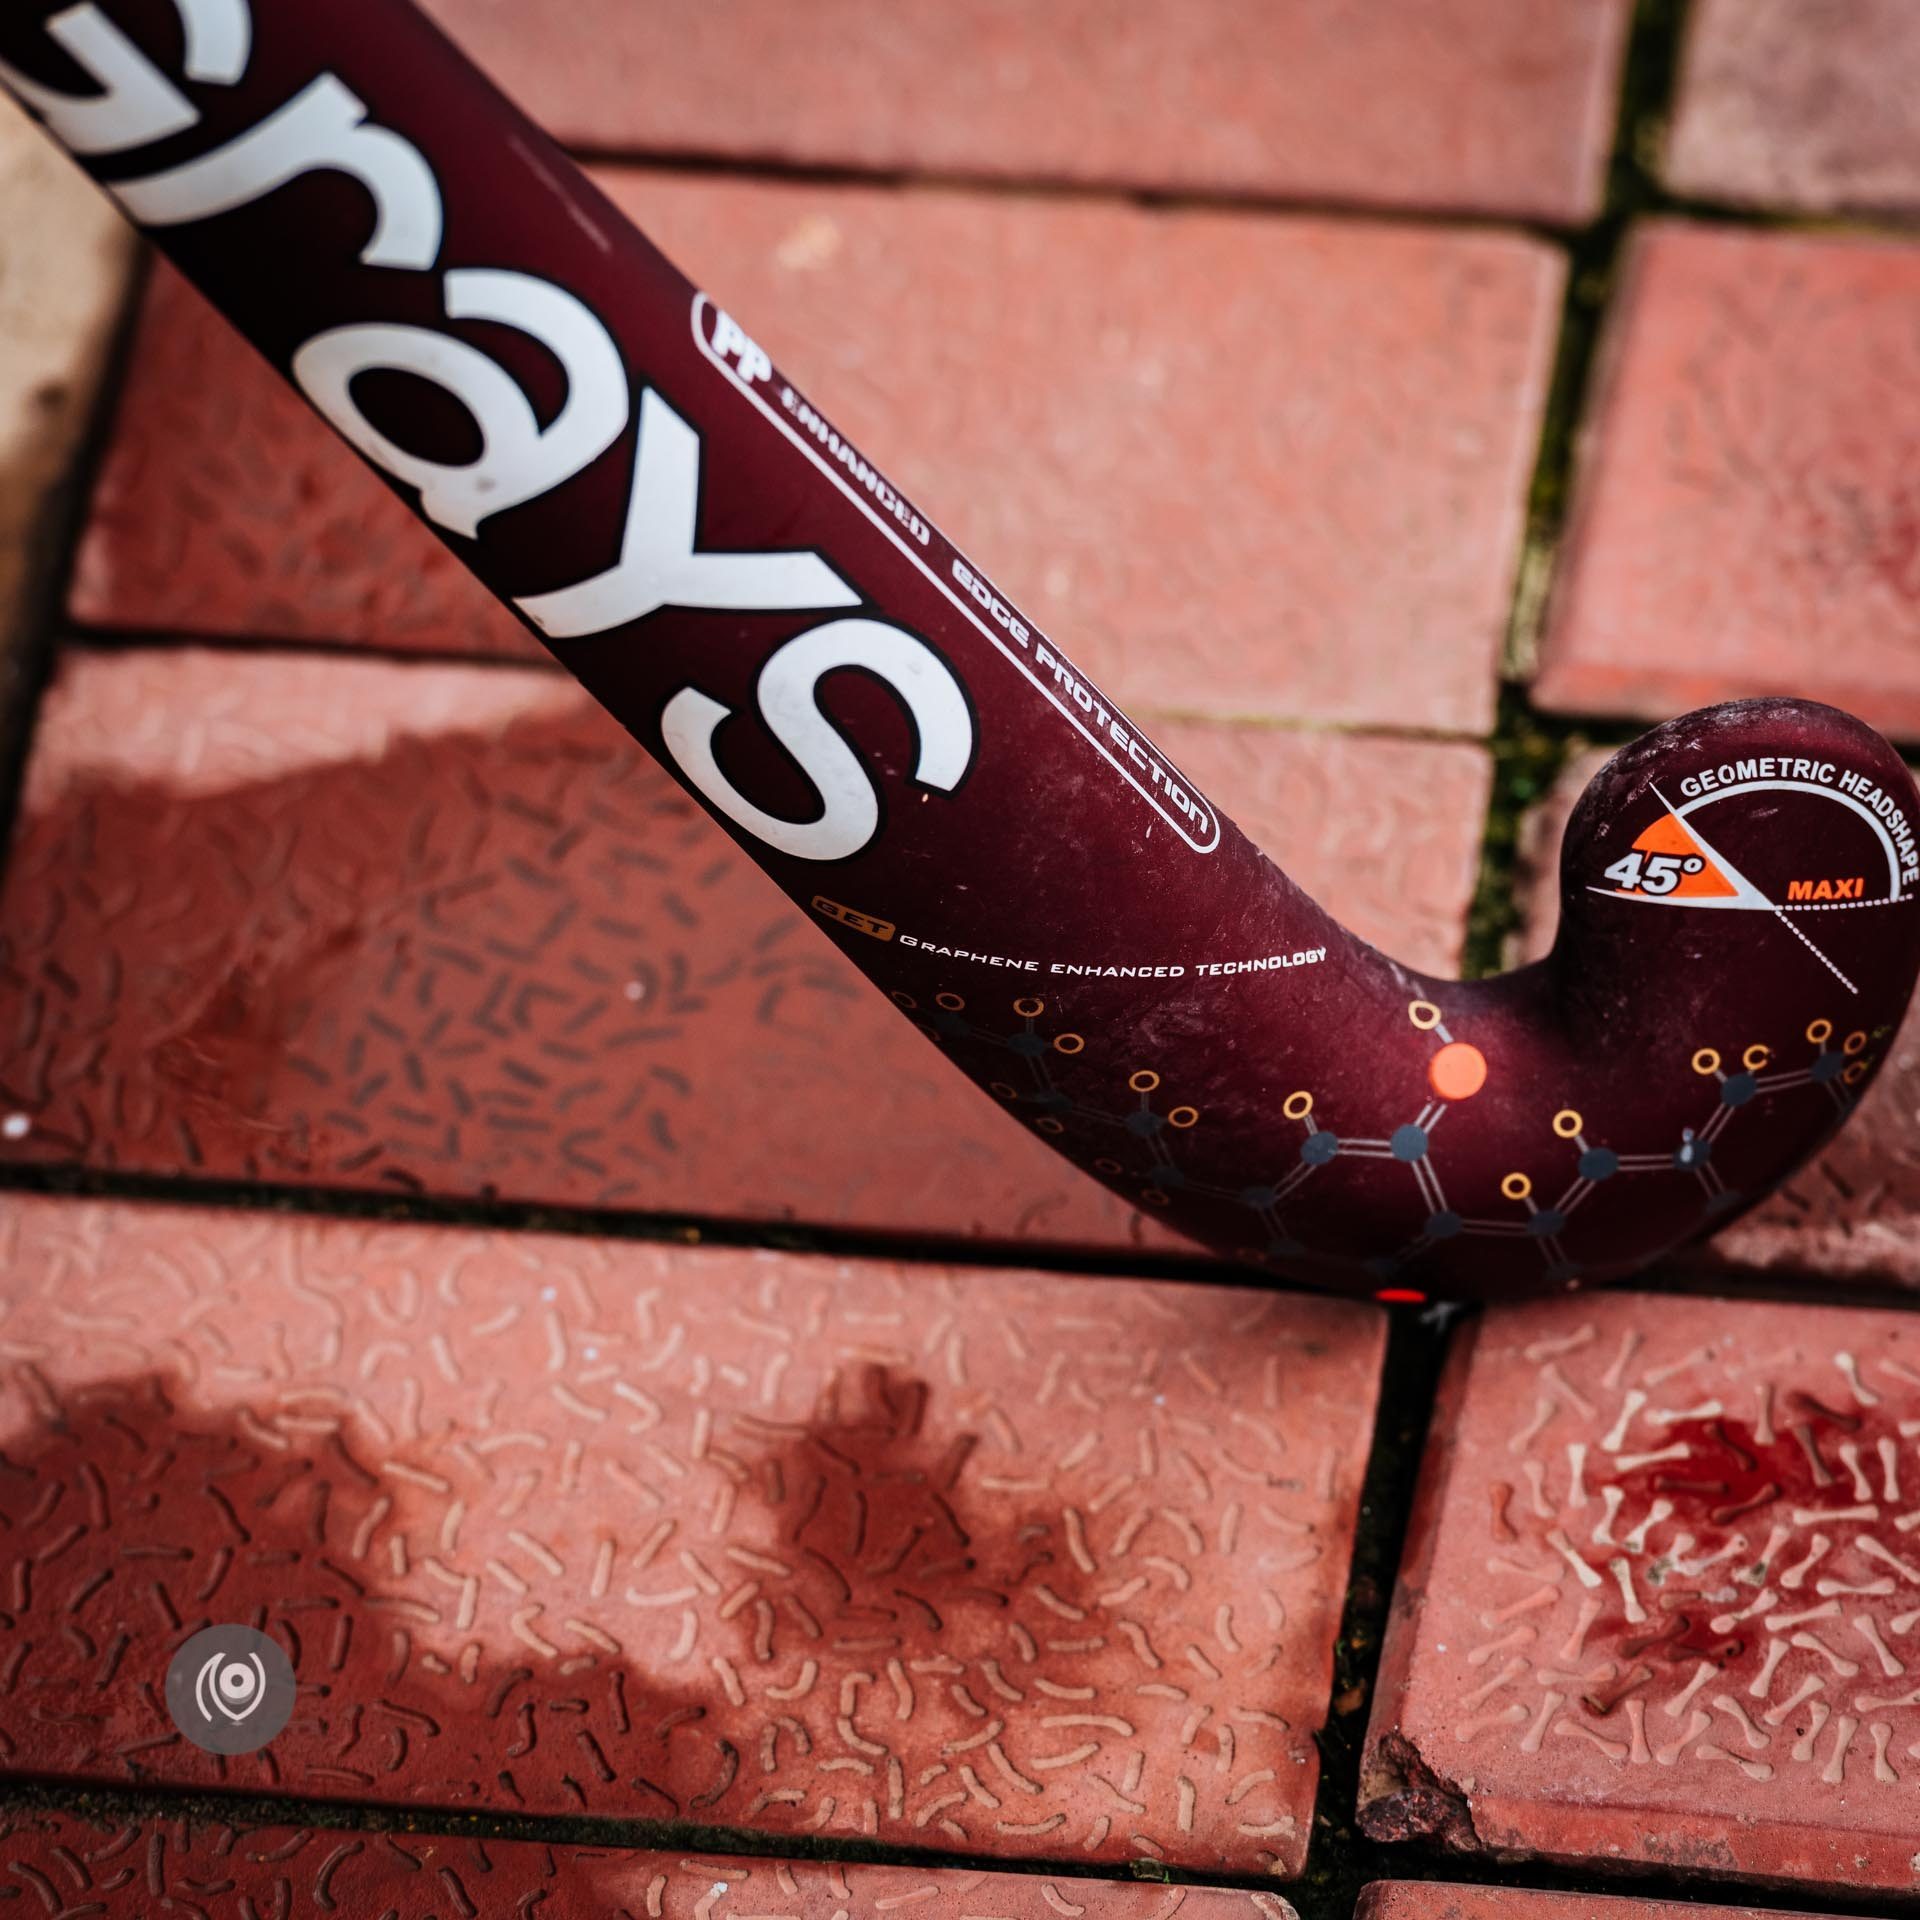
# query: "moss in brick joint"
1650,72
1529,749
1528,754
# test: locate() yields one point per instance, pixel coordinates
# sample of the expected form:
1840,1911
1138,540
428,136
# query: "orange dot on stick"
1458,1071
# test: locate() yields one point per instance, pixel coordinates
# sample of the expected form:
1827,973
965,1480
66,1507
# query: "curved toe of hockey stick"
1738,943
1738,918
1737,946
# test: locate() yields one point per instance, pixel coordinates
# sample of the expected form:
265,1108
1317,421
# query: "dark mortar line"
1648,1880
1648,91
613,1225
1649,74
1837,223
61,520
79,636
759,168
1689,1273
1338,1863
1529,751
1529,748
264,1807
1695,1273
116,1805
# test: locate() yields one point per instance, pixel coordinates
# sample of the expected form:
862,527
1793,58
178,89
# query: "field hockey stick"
969,817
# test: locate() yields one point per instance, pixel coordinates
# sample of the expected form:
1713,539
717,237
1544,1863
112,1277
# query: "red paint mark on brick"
1690,1631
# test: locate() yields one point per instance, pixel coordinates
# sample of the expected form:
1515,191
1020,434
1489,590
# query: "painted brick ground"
64,257
1246,466
1661,1601
446,928
1743,522
1460,104
1410,1900
217,1872
999,1562
1800,103
1854,1212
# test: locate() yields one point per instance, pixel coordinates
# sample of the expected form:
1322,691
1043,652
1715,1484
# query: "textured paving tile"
1853,1213
224,508
1427,1900
447,928
1744,518
64,256
1461,104
990,1561
1280,471
76,1867
1800,103
1661,1602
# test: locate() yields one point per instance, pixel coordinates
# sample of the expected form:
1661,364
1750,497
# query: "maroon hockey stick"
973,822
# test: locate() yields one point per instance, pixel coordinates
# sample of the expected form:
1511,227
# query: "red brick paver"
1800,103
128,1871
446,928
1661,1602
1248,466
1744,520
1854,1212
1002,1562
1428,1900
64,257
1462,104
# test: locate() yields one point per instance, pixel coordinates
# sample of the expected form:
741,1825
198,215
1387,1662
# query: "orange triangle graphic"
1668,834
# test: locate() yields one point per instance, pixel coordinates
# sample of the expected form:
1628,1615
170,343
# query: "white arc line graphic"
1815,951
